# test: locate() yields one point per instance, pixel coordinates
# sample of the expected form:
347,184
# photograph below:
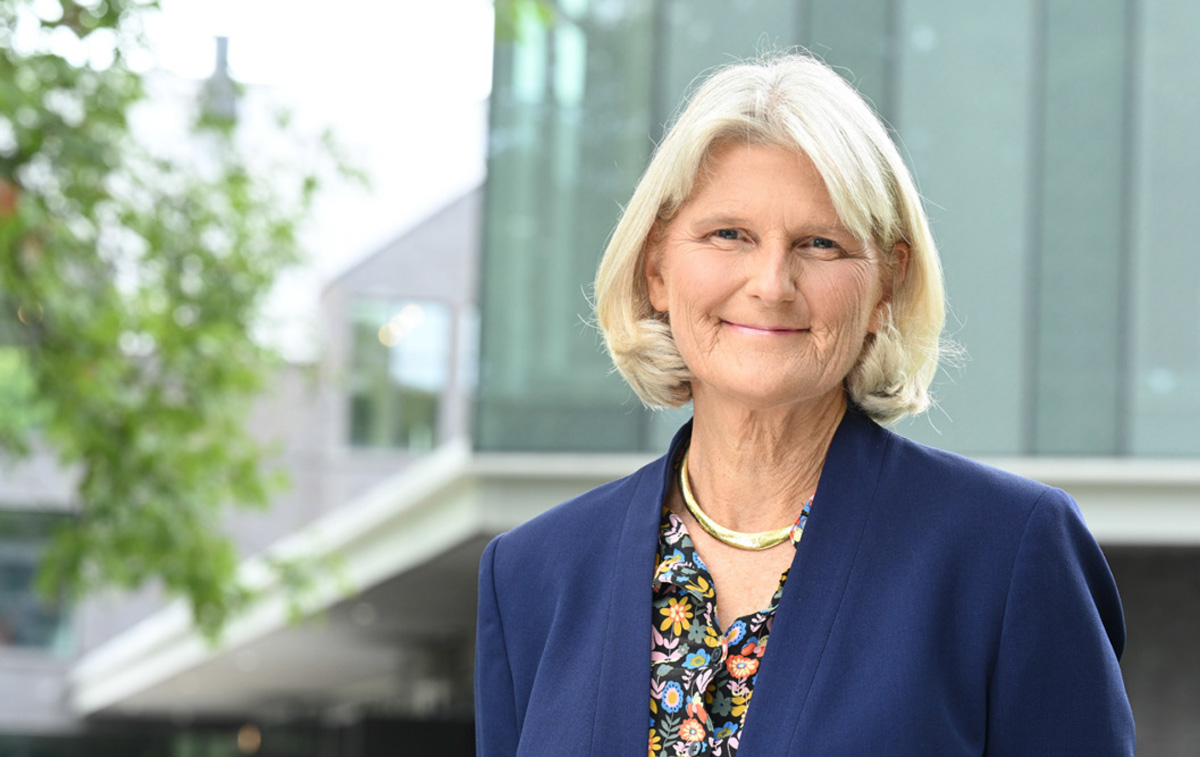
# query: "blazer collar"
623,709
804,617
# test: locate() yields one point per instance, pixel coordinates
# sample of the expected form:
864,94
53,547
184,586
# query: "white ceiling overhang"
396,588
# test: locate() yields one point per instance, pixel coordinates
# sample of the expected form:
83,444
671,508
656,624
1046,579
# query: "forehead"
757,178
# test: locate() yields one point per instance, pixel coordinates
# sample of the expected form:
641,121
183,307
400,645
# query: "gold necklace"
739,539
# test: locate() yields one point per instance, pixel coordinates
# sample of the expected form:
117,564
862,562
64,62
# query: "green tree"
511,15
131,285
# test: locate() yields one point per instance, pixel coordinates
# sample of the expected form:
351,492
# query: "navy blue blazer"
935,606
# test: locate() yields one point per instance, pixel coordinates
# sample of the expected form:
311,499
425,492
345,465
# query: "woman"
775,267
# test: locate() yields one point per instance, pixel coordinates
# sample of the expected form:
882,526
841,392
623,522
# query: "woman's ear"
900,257
652,256
899,269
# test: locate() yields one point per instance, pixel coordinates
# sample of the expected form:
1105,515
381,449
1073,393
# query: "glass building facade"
1051,140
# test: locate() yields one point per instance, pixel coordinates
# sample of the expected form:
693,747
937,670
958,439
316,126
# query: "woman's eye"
823,243
730,234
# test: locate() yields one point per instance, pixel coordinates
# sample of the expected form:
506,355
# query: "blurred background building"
461,390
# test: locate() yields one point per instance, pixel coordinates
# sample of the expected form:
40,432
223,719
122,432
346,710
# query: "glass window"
573,116
1079,230
1165,360
1049,138
963,111
27,619
401,367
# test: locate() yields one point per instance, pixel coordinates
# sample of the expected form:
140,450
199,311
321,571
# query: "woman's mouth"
761,329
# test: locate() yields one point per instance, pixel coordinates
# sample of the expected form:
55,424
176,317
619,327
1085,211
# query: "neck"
753,470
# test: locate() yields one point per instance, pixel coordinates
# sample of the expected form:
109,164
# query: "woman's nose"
772,275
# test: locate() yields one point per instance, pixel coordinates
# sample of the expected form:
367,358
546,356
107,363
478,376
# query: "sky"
402,83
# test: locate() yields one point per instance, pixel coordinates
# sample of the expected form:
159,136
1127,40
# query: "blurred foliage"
514,17
130,289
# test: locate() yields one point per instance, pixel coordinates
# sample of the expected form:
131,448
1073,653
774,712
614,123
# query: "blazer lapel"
623,709
816,583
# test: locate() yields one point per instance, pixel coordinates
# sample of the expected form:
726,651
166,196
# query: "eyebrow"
819,229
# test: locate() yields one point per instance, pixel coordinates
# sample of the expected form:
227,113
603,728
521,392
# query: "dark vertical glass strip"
660,98
891,62
1077,367
1126,388
1035,230
656,129
804,24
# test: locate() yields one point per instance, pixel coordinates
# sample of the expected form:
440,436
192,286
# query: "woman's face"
770,298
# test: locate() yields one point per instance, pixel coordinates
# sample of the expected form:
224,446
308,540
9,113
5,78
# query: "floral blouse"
701,679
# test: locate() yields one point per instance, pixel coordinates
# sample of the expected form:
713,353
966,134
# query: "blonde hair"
800,103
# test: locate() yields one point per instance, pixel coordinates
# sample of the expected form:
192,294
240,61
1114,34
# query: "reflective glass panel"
402,361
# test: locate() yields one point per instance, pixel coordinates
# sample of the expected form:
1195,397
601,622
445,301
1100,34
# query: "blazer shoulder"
948,476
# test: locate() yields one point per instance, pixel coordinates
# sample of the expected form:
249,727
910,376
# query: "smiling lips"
742,328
